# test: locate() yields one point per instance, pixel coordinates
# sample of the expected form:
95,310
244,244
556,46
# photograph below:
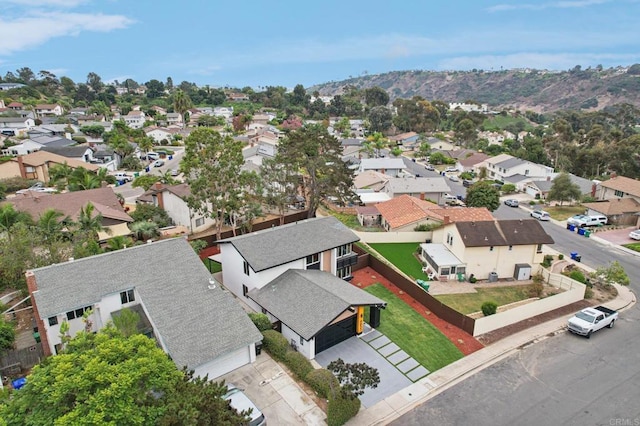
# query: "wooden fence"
14,361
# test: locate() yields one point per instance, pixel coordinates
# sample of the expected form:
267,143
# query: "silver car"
241,402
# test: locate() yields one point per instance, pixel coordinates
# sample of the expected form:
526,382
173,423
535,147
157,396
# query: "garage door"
335,333
225,363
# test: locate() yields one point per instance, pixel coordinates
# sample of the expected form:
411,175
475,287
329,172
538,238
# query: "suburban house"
79,152
387,166
104,200
487,250
26,147
540,188
135,119
468,163
440,145
404,213
49,110
405,139
619,211
225,112
16,106
36,165
618,187
174,119
10,86
425,188
158,134
370,180
16,126
171,198
315,310
469,107
503,166
191,317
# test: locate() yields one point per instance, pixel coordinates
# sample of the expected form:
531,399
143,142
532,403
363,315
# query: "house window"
53,321
510,248
313,261
539,248
491,248
199,221
344,272
449,239
526,172
444,271
618,193
77,313
127,297
301,341
245,267
245,290
344,250
264,311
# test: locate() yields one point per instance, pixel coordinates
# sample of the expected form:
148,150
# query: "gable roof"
623,184
462,214
67,151
614,207
181,190
503,233
69,203
370,179
405,210
325,298
283,244
41,157
417,185
473,159
194,322
382,163
403,136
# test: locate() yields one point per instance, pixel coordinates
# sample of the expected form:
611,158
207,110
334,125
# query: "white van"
123,176
152,156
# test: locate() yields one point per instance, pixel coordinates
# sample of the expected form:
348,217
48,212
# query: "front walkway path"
395,356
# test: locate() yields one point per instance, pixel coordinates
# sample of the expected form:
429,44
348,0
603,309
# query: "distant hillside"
536,90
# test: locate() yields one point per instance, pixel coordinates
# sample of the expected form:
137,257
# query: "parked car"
540,215
430,168
241,402
175,172
158,163
635,235
37,187
153,155
451,169
590,320
454,178
121,176
467,183
583,220
511,202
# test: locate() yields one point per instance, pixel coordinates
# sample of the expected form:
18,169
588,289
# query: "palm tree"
9,216
59,173
118,242
51,222
181,104
81,179
89,222
145,230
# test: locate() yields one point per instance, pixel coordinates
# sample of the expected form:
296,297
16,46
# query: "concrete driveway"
276,394
617,236
355,350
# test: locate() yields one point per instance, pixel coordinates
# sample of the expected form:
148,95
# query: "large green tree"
316,155
380,119
483,194
563,189
212,166
280,186
181,104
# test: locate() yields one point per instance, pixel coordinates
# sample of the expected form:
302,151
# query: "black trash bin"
258,348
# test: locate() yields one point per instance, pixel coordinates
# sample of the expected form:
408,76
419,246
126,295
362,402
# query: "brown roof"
624,184
181,190
367,210
405,210
503,233
403,136
614,207
40,158
15,104
464,214
69,203
46,106
473,159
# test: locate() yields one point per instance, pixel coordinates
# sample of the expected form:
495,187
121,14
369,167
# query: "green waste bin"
136,174
460,277
36,336
587,233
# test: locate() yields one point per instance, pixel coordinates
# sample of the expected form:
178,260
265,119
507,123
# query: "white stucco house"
387,166
504,166
196,322
135,119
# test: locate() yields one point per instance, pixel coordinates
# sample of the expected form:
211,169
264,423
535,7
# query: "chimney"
32,286
614,175
447,220
593,189
23,172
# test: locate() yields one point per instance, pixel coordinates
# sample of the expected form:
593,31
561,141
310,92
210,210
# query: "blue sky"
283,42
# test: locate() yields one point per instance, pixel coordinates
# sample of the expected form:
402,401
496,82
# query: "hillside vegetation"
537,90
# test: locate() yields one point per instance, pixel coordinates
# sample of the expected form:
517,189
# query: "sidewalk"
407,399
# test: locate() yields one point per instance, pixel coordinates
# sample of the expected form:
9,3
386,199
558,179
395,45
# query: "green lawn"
467,303
412,333
499,122
212,265
402,255
564,212
632,246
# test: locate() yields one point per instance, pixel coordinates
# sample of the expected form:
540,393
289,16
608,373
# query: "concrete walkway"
395,356
410,397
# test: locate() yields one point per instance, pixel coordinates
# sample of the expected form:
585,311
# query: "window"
491,248
301,341
344,250
539,248
344,272
510,248
53,321
313,261
127,297
245,267
199,221
77,313
449,239
444,271
618,193
245,290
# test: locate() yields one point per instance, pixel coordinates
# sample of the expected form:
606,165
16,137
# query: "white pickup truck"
590,320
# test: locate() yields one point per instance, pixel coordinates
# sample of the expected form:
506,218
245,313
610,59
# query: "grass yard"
467,303
412,333
402,255
564,212
632,246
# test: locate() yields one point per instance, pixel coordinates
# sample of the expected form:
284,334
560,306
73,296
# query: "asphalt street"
562,380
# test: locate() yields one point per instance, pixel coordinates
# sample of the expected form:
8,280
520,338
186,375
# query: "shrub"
16,183
489,308
299,364
275,343
340,410
547,260
322,381
560,256
578,276
536,289
261,321
588,293
473,279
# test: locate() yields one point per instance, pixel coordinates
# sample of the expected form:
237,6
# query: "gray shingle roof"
503,233
511,162
325,298
283,244
417,185
196,324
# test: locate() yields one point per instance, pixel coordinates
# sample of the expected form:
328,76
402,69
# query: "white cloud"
30,31
550,5
53,3
551,61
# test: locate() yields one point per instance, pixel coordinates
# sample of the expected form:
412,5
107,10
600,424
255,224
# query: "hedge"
340,410
322,381
261,321
299,364
276,344
489,308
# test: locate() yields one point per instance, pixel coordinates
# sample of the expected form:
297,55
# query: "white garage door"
531,191
225,363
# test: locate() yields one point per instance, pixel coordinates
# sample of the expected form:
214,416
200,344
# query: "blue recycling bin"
580,231
571,227
146,169
19,383
574,255
171,157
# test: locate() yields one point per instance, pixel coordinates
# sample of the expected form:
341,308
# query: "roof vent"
212,284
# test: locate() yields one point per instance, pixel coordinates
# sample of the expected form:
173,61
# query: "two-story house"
486,249
44,110
505,166
196,322
310,258
135,119
16,126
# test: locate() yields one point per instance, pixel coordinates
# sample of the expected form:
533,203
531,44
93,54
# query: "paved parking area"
355,350
617,236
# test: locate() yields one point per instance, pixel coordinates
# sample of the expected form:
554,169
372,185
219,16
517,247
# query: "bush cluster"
299,364
261,321
276,344
547,260
577,275
340,410
536,289
322,381
489,308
